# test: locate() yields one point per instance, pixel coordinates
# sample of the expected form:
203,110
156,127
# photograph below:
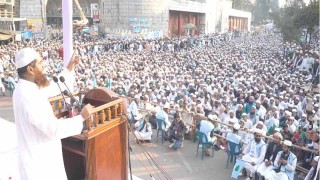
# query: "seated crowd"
236,89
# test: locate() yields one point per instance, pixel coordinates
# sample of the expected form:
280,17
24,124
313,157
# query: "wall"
121,15
235,13
30,9
188,6
134,16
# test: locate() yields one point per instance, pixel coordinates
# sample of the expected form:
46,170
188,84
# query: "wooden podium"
101,151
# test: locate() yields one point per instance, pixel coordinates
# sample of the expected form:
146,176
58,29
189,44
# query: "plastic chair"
203,140
232,152
160,123
11,88
131,120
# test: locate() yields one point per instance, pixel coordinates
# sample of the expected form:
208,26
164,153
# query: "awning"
4,37
8,32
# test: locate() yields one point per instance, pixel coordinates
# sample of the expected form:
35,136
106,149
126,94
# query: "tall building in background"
142,17
171,17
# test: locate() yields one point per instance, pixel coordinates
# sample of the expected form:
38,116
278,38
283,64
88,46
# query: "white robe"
145,133
252,156
39,132
264,170
315,177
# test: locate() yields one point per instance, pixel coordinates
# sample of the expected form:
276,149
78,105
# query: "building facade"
140,17
171,17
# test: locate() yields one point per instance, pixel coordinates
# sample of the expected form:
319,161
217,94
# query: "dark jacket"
271,151
178,129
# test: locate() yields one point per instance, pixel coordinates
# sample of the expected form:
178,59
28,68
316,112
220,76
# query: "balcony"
6,2
5,12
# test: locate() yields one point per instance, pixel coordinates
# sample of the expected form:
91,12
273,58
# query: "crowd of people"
252,82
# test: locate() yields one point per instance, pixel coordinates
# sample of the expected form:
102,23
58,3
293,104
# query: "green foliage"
295,16
260,9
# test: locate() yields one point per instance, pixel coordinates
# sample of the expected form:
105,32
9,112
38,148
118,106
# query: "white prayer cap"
278,135
287,143
236,126
166,105
26,56
316,158
260,122
137,97
258,102
257,131
212,117
304,115
244,114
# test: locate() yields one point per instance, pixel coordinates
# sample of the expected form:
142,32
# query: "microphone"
55,79
66,93
69,94
64,82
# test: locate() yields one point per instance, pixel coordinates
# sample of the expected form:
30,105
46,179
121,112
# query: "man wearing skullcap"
272,150
285,164
206,127
254,153
39,132
234,137
313,173
163,115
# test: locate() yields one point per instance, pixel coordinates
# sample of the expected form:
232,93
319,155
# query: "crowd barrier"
191,119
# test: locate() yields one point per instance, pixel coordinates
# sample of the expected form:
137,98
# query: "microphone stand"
55,79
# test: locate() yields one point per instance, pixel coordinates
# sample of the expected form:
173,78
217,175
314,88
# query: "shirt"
39,133
206,127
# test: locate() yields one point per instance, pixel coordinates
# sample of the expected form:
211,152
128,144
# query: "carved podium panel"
101,150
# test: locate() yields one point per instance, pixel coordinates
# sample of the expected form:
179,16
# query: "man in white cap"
143,129
254,153
234,137
272,150
285,163
39,132
313,174
163,115
206,127
133,108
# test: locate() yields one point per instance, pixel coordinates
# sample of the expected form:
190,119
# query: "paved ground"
180,164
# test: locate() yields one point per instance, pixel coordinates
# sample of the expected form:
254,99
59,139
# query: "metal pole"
67,31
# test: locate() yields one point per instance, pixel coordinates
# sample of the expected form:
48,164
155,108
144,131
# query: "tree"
296,16
308,18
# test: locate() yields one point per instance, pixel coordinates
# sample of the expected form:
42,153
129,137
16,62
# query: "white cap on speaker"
26,56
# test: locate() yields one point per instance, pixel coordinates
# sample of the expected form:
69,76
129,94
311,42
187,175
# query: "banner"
237,168
96,16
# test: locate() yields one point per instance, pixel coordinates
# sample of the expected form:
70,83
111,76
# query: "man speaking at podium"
39,132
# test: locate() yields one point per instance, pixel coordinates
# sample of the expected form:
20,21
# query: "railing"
192,123
102,116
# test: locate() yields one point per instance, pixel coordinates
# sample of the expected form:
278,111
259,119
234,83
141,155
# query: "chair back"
160,124
132,116
11,86
202,138
234,148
